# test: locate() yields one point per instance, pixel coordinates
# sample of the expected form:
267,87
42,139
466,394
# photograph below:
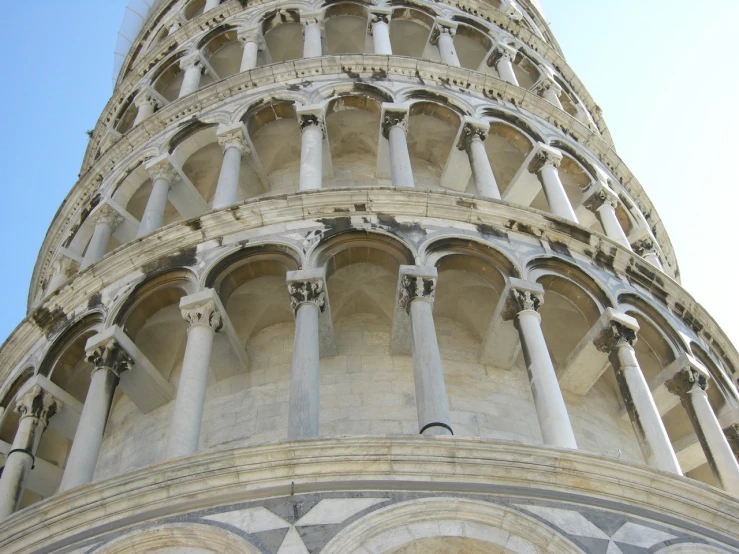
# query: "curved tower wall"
350,277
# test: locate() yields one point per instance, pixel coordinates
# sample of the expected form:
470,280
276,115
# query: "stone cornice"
365,67
74,298
444,465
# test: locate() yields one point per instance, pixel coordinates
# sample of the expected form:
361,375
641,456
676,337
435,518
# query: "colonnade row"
111,353
501,56
544,162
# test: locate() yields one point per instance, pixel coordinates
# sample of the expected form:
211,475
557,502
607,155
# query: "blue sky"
663,71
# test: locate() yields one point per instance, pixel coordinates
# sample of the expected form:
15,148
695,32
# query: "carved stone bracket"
203,314
416,286
38,403
111,357
312,291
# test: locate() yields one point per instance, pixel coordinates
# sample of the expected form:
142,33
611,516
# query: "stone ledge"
442,464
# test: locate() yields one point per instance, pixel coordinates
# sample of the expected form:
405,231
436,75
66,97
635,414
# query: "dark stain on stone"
351,74
184,258
514,225
298,86
489,230
95,301
379,75
341,210
462,203
405,228
360,207
576,232
193,224
50,321
560,248
418,76
335,225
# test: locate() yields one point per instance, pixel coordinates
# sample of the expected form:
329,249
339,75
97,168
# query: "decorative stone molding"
416,287
233,136
307,291
38,403
545,156
110,357
203,314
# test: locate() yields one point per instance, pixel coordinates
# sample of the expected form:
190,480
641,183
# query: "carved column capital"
162,168
643,246
472,129
205,314
443,26
527,300
689,379
146,97
233,137
545,156
379,15
394,115
250,34
191,60
62,266
502,51
601,196
413,287
620,334
106,214
110,357
545,84
512,10
311,291
38,403
307,18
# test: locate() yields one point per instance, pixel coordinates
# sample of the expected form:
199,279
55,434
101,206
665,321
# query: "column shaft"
311,158
227,190
504,67
304,384
18,465
155,206
191,80
551,411
211,4
431,398
89,435
446,49
711,436
648,427
249,57
312,40
98,243
555,193
145,111
381,38
482,173
607,216
184,431
401,172
550,94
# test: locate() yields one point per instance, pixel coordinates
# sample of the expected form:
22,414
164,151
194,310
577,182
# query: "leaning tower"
349,277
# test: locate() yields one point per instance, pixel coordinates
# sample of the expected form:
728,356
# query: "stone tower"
351,277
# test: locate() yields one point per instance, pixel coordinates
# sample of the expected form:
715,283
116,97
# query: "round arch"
502,529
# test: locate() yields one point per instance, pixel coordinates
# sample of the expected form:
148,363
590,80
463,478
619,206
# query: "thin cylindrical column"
721,459
551,411
109,361
61,269
146,104
545,164
307,299
503,56
548,89
211,4
607,215
432,405
192,66
447,51
482,172
250,38
646,249
234,146
311,35
380,29
394,128
106,218
311,149
36,407
204,321
645,418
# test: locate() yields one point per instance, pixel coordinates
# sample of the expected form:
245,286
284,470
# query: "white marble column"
204,321
502,58
551,411
603,203
211,4
61,269
109,362
312,131
163,176
646,249
690,385
548,89
394,128
250,38
192,65
645,418
545,165
379,28
36,407
146,103
308,300
417,291
472,140
442,36
311,22
232,139
106,219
